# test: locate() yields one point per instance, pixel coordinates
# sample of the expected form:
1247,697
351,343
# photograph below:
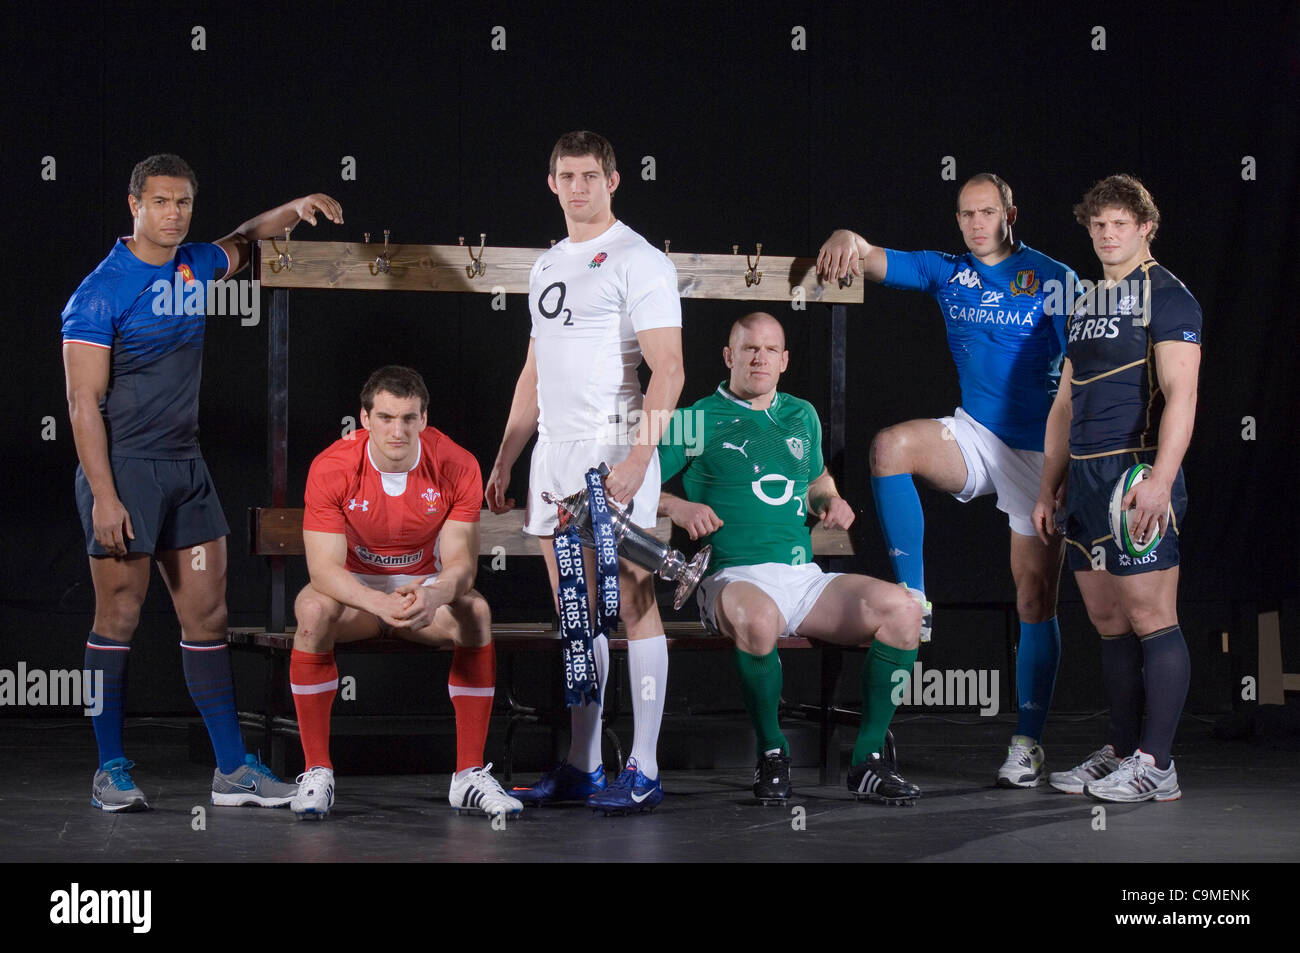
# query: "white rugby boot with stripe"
315,794
1136,779
475,791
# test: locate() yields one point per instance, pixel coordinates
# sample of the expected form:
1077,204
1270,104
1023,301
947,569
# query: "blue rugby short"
1087,516
172,503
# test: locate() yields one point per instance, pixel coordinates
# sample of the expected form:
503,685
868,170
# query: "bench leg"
829,751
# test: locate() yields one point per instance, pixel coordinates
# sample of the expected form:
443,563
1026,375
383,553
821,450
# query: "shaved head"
752,322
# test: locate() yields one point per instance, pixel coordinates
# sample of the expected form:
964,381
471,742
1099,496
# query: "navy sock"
207,676
1167,671
110,658
903,524
1036,663
1121,671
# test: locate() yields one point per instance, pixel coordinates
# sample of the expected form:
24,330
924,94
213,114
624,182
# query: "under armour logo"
364,505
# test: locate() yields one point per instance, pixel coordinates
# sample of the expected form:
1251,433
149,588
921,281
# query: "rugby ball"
1119,516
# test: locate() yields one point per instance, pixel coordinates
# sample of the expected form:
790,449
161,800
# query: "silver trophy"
634,543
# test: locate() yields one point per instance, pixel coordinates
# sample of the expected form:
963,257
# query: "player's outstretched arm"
458,551
86,368
824,499
662,350
270,224
1056,458
520,427
848,253
327,555
1178,369
698,519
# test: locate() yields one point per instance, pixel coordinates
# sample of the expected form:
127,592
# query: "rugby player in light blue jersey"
1002,304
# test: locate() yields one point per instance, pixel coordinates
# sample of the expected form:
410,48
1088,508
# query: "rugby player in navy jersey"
998,302
132,360
1128,396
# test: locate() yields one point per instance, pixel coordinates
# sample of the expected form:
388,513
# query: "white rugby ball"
1119,526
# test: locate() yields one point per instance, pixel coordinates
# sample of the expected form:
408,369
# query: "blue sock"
207,676
1036,662
1166,674
903,523
1121,672
105,655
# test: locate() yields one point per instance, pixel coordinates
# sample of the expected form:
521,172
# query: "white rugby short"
385,582
561,469
794,589
993,467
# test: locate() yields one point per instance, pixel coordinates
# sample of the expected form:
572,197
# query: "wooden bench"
276,533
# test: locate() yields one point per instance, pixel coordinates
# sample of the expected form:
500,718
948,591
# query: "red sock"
314,679
471,685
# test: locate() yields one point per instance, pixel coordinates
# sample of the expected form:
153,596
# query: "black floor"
1239,805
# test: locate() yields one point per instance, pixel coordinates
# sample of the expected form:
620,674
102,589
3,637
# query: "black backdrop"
752,141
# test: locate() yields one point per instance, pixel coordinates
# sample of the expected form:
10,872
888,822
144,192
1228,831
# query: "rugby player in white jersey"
602,300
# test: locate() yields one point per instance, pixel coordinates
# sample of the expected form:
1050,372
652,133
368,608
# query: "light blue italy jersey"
1005,328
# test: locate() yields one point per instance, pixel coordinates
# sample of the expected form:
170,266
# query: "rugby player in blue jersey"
132,360
998,301
1128,396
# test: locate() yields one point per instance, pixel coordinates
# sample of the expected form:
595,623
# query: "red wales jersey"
392,520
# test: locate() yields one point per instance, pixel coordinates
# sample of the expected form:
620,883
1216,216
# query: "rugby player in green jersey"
752,469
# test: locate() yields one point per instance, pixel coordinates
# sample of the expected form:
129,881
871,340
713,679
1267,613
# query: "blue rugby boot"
630,793
564,782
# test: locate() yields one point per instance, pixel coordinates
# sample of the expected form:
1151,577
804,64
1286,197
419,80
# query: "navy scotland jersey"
151,407
1112,334
1005,329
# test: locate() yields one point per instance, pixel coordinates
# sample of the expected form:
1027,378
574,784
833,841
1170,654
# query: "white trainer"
1097,765
1024,765
315,794
1137,779
475,791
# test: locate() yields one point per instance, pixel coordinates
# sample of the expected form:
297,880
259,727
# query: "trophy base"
691,576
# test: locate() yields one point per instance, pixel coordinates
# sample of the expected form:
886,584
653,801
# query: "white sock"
647,667
584,744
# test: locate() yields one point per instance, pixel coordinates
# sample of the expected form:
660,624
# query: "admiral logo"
967,278
98,907
388,562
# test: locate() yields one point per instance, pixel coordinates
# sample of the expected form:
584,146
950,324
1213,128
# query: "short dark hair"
583,143
162,164
753,320
398,381
1119,191
1004,190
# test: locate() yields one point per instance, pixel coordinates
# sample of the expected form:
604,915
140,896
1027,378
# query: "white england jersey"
588,301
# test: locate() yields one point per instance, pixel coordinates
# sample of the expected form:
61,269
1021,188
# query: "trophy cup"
634,543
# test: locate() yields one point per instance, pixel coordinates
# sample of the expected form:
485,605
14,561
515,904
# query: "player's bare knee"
900,621
889,452
314,613
754,626
473,618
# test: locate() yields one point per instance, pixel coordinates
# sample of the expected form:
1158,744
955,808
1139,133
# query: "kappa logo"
364,505
795,444
726,445
992,297
967,278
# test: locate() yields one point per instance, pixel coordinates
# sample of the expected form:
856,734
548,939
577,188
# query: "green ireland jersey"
753,468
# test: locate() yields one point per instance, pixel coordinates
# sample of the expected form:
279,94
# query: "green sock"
760,684
879,685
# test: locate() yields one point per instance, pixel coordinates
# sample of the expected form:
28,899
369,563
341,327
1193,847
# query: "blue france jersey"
152,318
1006,330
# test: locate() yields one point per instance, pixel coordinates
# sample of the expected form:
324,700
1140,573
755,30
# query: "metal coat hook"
667,242
847,281
383,264
752,275
476,268
283,260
